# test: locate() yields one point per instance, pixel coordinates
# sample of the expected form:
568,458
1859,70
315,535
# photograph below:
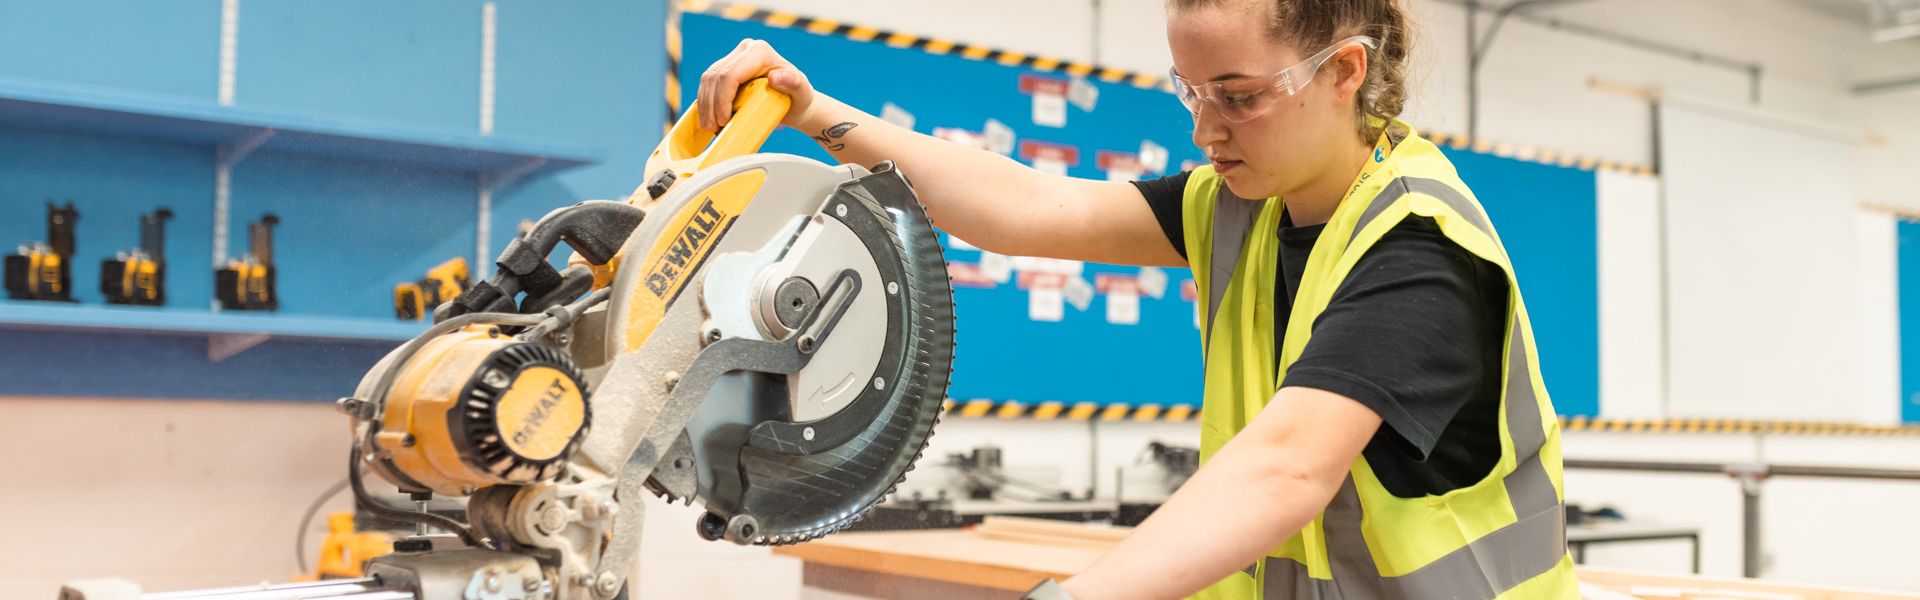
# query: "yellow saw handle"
757,111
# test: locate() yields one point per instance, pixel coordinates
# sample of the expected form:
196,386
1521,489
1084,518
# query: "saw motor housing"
475,409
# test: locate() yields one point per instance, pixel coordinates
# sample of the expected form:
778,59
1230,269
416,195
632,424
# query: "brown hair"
1310,25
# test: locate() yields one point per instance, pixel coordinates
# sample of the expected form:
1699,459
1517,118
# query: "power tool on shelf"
763,334
416,299
43,270
247,282
139,275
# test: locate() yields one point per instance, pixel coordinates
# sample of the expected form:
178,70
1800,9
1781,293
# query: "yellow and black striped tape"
1733,426
673,66
1080,411
934,45
1180,413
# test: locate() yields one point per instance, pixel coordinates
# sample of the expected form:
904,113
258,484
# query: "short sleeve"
1167,197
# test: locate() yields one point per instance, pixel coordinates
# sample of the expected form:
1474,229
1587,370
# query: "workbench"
1004,557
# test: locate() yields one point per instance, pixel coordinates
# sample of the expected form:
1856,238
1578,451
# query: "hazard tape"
1585,424
1181,413
672,88
939,46
1079,411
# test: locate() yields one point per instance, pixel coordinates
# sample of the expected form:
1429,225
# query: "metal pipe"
1751,69
1886,85
1750,526
1629,465
264,594
1473,68
330,588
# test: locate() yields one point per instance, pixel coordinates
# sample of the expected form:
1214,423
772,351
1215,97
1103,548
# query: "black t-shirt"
1415,333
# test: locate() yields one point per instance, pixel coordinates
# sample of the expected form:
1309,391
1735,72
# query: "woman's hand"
752,58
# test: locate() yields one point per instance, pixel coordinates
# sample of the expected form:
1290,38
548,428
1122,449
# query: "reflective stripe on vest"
1485,567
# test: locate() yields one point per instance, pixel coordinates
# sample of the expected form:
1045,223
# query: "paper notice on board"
996,267
999,137
1153,282
1037,264
1153,157
1082,94
896,115
1123,306
955,243
1050,166
1123,175
1079,293
1049,110
1046,304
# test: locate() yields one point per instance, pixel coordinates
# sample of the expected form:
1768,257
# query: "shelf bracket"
222,346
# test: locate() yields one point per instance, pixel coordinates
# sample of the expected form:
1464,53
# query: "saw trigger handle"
757,110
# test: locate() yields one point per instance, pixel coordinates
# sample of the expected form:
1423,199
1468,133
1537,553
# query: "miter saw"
763,334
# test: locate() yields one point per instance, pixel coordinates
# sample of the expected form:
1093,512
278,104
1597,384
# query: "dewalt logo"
554,393
689,246
686,242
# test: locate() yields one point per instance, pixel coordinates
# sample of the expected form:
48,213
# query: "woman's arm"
1257,491
984,198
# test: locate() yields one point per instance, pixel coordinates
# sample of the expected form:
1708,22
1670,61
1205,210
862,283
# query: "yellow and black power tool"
247,283
416,299
478,408
44,270
139,276
770,337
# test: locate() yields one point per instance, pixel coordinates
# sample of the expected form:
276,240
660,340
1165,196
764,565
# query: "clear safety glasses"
1243,99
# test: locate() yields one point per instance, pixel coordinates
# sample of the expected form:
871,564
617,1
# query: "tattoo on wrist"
828,137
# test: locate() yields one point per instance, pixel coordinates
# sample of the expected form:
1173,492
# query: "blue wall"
1545,215
583,74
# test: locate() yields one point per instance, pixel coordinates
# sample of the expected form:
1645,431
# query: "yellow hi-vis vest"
1503,537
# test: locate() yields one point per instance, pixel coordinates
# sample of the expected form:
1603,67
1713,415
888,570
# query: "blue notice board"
1133,340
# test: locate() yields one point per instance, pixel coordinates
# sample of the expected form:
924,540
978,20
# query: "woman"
1374,424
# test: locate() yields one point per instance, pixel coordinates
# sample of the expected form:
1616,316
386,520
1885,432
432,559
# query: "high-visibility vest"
1503,537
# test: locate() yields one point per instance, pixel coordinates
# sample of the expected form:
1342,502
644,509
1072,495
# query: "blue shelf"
178,320
65,107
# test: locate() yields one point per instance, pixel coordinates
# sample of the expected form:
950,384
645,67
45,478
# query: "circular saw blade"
802,480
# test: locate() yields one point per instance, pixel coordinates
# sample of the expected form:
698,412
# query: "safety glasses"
1243,99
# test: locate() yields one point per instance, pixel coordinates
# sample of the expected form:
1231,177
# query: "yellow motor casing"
474,408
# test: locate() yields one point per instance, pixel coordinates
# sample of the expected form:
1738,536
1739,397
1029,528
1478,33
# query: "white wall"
179,495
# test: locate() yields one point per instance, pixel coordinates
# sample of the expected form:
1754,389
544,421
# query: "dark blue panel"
1546,218
160,47
349,230
111,181
411,62
1909,258
48,363
1546,215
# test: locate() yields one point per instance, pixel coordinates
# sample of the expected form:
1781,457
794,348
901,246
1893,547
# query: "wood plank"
956,556
1652,586
1016,554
